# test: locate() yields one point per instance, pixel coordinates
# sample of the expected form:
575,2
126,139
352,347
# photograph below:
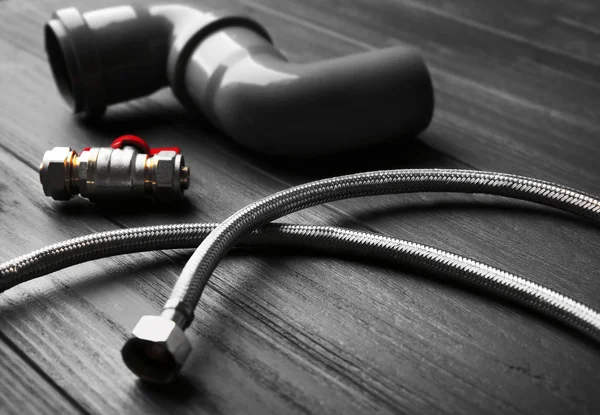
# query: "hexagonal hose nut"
169,175
55,173
157,350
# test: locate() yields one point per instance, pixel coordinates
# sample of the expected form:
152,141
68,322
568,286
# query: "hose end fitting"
157,350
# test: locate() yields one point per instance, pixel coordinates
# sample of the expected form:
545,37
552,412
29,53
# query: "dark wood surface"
517,89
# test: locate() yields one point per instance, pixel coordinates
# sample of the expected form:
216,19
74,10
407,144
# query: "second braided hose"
436,262
189,286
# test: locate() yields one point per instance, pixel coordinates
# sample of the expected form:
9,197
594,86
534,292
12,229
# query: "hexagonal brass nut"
157,350
168,166
54,173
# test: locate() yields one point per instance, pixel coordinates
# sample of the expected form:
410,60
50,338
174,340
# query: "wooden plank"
323,341
566,27
26,389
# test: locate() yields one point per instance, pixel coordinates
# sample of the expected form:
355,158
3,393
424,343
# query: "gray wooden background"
518,90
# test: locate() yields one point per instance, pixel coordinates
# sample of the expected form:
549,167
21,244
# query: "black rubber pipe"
225,66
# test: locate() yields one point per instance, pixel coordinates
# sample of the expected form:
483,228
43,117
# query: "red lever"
141,145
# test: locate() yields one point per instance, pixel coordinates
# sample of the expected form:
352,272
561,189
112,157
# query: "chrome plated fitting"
157,349
129,168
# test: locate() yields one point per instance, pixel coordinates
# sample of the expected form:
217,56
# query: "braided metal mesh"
422,258
100,245
189,287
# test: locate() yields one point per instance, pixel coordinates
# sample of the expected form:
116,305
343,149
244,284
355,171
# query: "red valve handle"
141,145
131,140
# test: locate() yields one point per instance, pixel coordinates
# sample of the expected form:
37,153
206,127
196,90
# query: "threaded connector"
157,349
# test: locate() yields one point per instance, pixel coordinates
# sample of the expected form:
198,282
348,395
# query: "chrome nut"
157,350
167,175
55,173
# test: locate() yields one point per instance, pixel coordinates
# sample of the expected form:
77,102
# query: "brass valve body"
108,173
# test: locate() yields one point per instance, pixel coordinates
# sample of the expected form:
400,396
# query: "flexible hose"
330,239
193,279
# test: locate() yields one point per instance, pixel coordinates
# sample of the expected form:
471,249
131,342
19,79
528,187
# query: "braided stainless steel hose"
158,348
419,257
189,286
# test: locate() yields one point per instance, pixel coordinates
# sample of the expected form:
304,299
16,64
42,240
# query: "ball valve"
128,168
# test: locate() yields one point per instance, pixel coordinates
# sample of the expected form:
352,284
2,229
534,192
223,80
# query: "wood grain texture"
278,333
27,389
